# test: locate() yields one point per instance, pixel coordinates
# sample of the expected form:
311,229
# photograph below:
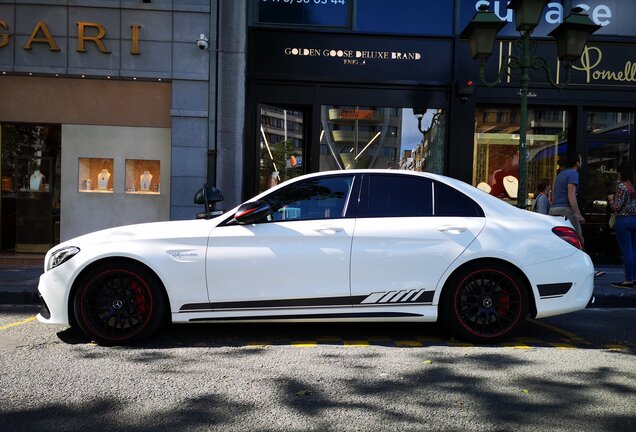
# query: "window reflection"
610,123
381,137
281,145
496,148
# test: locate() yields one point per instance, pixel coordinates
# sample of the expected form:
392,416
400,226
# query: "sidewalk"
18,285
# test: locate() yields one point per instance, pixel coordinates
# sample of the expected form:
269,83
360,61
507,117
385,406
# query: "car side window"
451,202
397,196
320,198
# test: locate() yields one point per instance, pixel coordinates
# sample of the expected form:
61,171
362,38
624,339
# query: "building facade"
108,113
286,88
344,65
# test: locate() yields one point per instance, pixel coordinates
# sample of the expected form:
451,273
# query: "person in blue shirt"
564,201
542,202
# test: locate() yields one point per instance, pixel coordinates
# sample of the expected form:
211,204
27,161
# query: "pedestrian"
542,201
623,204
564,201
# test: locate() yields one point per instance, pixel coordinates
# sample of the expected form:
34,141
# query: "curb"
19,298
614,301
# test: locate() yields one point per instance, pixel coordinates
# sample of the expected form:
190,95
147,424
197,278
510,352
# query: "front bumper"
54,291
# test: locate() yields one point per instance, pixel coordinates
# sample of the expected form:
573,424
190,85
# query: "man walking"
564,201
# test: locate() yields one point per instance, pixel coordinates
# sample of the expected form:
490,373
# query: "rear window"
451,202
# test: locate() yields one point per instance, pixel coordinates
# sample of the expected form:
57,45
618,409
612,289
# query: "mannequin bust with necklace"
144,180
36,181
102,179
511,185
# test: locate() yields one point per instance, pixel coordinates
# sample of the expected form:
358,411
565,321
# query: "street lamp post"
571,36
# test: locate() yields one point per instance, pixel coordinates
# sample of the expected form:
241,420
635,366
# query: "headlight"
61,256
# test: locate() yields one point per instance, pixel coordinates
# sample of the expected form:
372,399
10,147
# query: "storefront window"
378,137
30,171
496,149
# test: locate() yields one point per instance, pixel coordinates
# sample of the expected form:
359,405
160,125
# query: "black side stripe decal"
379,298
314,316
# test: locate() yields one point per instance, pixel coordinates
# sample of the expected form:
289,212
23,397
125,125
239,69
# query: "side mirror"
251,212
208,196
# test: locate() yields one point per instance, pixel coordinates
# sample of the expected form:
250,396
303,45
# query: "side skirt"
320,317
413,313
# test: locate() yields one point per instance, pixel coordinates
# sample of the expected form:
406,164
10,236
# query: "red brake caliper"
139,298
504,305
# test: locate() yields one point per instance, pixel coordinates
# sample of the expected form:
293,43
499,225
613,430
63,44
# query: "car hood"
146,231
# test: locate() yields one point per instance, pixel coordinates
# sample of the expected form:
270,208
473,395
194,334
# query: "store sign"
615,17
356,114
354,57
607,65
87,32
600,64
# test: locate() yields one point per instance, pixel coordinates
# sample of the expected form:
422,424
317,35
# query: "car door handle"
452,229
328,229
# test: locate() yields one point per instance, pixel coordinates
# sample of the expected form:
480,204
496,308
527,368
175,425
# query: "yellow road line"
356,343
305,344
616,347
408,343
562,345
28,320
516,345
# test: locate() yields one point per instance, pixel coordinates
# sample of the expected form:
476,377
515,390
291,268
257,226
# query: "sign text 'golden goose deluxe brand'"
354,57
91,32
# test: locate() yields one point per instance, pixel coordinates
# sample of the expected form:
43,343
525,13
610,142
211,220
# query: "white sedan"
360,245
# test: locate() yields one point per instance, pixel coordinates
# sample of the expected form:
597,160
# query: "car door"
409,230
298,258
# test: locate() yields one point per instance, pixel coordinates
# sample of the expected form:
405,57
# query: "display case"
96,175
143,176
34,204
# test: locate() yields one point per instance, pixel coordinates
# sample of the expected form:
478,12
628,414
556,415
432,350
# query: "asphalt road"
571,373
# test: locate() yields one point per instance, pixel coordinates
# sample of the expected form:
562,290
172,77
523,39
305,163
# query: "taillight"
569,235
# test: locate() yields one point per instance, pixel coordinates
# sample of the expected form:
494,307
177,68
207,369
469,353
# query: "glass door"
281,137
30,194
610,137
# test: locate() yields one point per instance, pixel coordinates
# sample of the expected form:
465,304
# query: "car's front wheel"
118,302
485,303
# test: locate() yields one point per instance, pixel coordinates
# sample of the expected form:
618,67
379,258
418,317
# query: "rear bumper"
563,285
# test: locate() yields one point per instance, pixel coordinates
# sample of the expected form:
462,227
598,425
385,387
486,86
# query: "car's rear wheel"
119,302
485,303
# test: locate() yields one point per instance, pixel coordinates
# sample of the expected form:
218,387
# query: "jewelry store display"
511,185
144,181
484,187
102,179
36,180
143,176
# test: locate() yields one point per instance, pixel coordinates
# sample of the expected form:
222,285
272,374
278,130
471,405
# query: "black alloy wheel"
119,303
485,304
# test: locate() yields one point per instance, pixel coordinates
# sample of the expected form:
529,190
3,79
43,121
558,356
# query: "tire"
119,302
485,303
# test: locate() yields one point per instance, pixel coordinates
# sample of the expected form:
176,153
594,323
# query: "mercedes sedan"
359,245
